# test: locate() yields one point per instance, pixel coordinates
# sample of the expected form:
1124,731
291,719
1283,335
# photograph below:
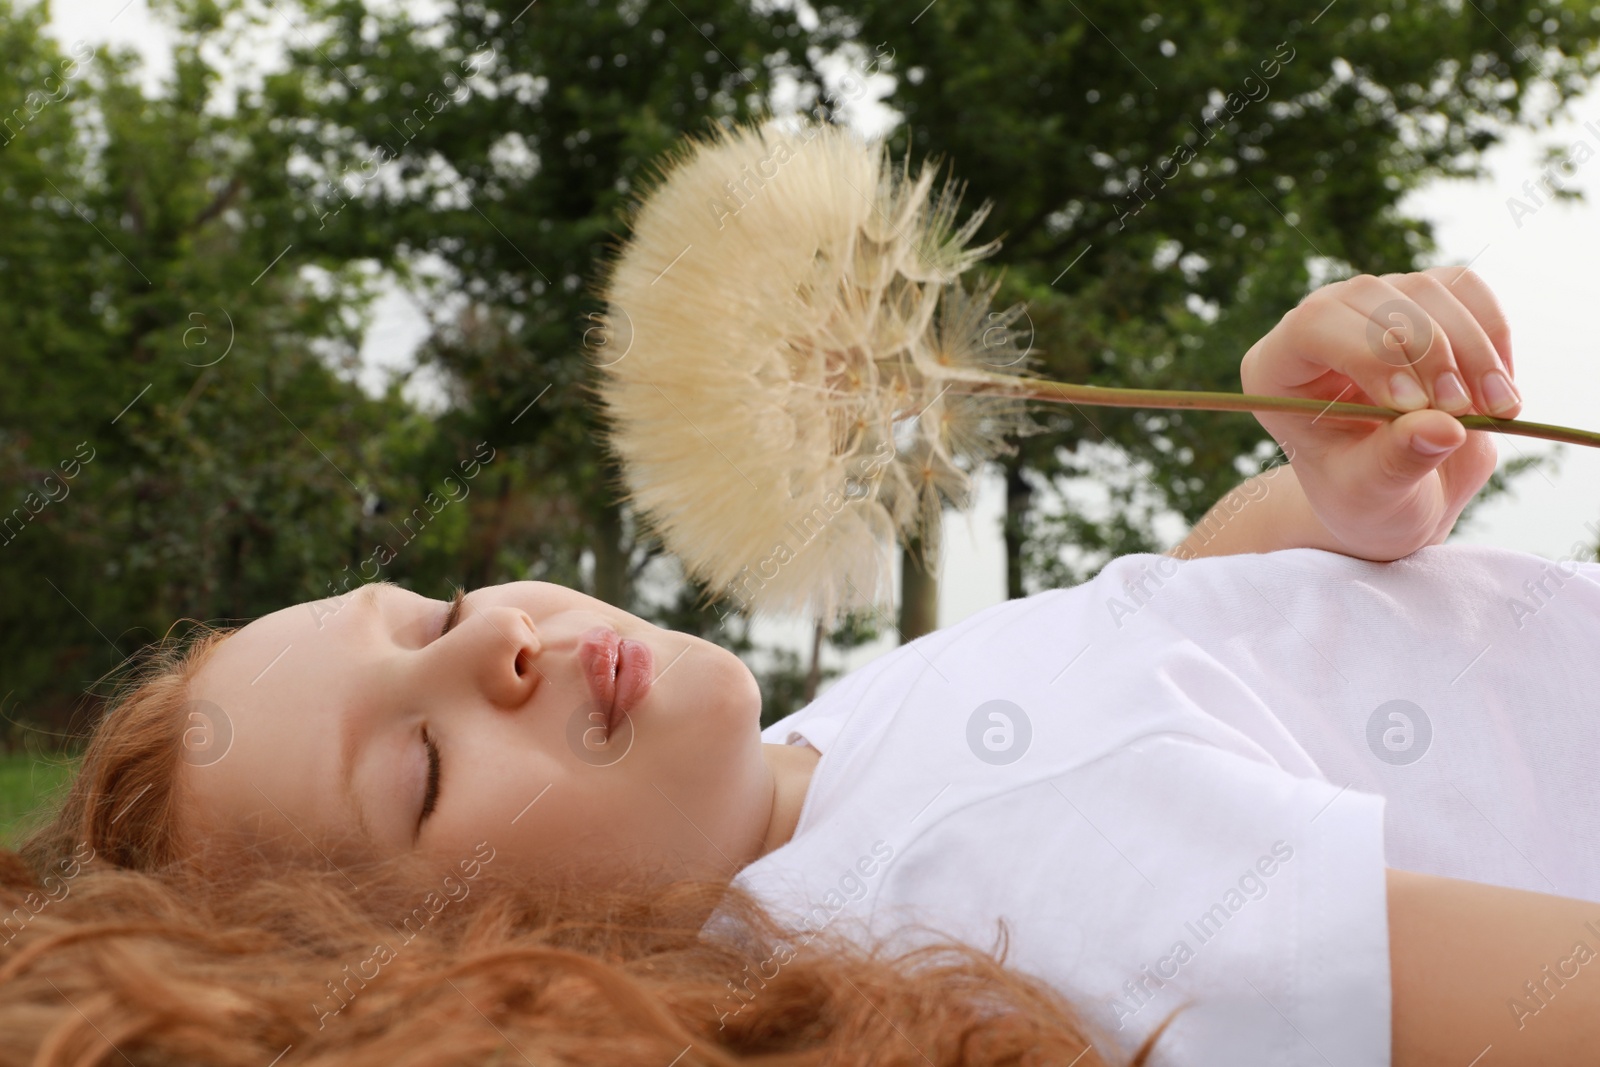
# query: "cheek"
502,788
588,828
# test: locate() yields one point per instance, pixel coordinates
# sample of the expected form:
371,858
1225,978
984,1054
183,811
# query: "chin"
711,703
722,696
740,691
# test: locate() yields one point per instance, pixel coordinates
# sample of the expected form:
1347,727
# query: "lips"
635,671
618,672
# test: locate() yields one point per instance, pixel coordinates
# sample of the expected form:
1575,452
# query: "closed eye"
430,798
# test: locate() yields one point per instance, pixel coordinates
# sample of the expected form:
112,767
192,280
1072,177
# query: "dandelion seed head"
796,319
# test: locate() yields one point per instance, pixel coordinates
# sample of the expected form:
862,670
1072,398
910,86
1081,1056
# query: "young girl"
1302,807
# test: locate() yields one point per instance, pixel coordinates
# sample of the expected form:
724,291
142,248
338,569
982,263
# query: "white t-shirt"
1183,781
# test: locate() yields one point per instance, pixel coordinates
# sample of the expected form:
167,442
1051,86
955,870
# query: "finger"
1408,350
1295,358
1320,351
1465,471
1475,294
1404,449
1476,379
1362,328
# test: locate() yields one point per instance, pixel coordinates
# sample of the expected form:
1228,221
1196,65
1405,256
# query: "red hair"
124,940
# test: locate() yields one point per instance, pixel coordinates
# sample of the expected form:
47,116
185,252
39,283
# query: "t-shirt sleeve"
1172,871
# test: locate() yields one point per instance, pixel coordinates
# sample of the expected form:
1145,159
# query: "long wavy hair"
120,943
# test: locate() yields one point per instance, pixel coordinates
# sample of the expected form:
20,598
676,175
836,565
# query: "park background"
275,340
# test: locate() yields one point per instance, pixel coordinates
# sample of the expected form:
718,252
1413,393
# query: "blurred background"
274,277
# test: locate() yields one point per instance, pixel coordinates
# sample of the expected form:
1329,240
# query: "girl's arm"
1264,514
1484,975
1373,490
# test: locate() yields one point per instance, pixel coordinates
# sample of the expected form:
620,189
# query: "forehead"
266,655
275,690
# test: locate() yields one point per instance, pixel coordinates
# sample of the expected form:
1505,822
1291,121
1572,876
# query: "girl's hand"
1433,344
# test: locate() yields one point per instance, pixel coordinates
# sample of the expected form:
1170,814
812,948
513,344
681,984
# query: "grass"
27,780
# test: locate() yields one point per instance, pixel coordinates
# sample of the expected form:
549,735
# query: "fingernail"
1450,392
1428,448
1407,394
1499,392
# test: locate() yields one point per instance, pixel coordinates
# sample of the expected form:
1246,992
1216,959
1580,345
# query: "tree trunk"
814,673
919,593
610,556
482,568
1019,495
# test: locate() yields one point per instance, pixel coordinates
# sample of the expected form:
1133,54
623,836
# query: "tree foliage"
189,269
153,331
1170,179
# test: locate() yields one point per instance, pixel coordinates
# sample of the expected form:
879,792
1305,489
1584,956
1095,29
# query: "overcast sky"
1541,265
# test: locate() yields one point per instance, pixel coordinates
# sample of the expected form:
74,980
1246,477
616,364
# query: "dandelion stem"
1102,396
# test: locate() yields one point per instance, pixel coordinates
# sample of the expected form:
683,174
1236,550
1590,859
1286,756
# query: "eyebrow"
367,600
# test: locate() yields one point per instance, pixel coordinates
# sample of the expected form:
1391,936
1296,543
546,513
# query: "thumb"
1404,449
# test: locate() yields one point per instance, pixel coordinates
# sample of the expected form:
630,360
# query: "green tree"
179,435
1170,179
499,145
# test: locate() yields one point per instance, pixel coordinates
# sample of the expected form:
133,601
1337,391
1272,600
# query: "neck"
791,767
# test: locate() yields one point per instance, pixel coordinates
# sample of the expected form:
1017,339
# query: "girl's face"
318,721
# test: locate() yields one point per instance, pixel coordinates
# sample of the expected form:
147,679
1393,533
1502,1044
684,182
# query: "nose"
503,651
